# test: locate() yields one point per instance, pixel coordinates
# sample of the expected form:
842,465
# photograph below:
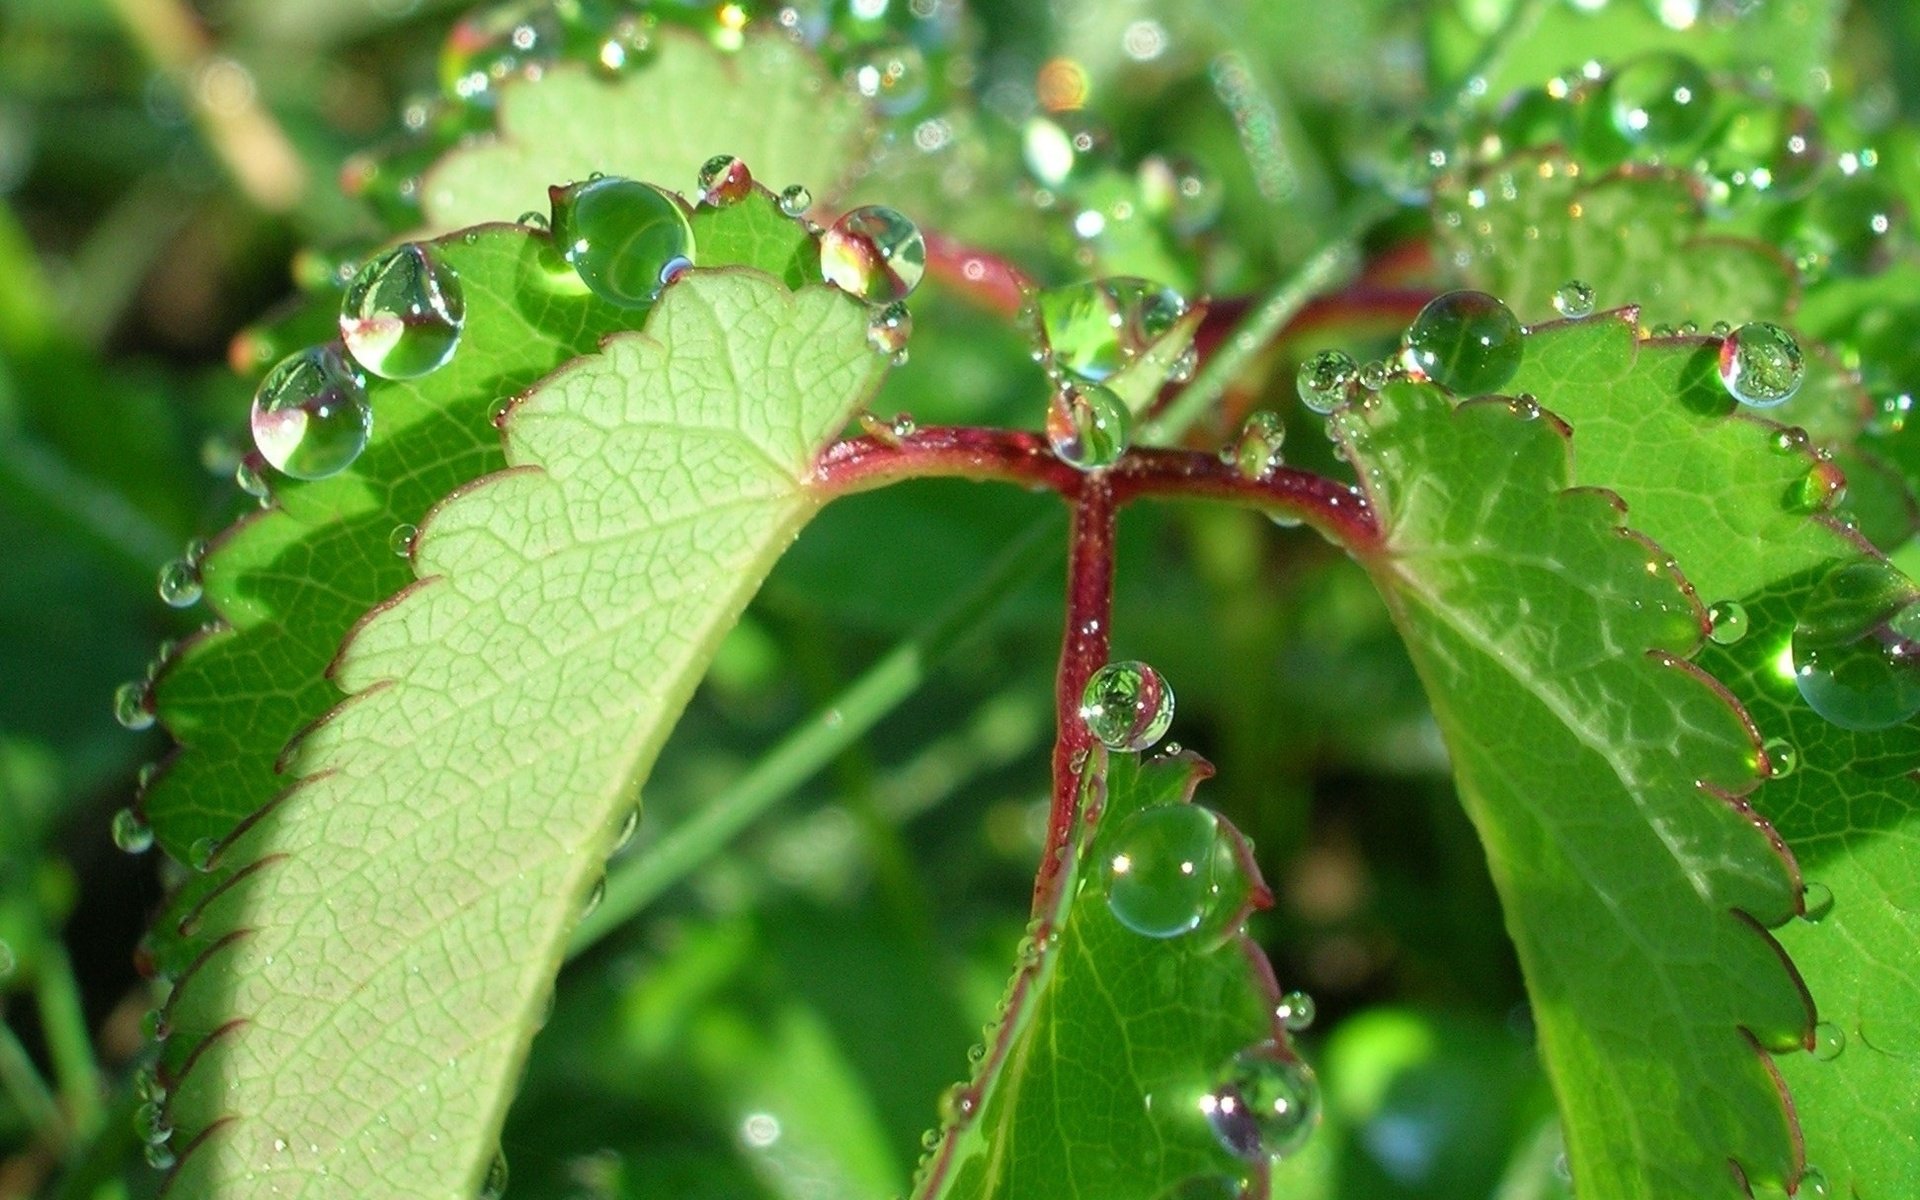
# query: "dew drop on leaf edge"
1727,622
625,239
724,180
1760,365
1467,342
179,583
1856,646
310,417
1326,379
1574,299
402,315
1264,1106
1169,870
131,833
873,253
133,705
1127,706
1816,901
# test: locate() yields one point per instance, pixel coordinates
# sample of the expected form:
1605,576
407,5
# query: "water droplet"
495,1185
725,180
1088,427
1265,1106
1574,299
1816,901
1170,869
873,254
1812,1185
1326,380
1765,148
401,316
204,854
1094,329
310,416
892,73
1792,440
1760,365
1181,192
1782,758
1256,449
1127,706
533,219
1828,1041
629,825
486,48
400,540
1819,490
179,584
1849,227
889,328
1660,100
249,478
958,1104
1727,622
1467,342
621,237
131,832
594,896
1854,647
133,706
150,1124
1296,1011
160,1157
795,199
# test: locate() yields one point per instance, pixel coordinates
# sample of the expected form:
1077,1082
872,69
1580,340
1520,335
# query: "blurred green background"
779,1025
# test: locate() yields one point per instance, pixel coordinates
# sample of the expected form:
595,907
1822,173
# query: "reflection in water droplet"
1265,1105
1256,449
310,416
1856,659
889,328
1727,622
400,540
1816,901
1095,328
1782,758
160,1157
179,584
1296,1011
1574,299
595,895
133,706
248,477
150,1123
131,832
873,254
623,238
1326,380
1088,427
1127,706
1829,1040
402,315
1467,342
1760,365
795,199
204,854
1170,870
725,180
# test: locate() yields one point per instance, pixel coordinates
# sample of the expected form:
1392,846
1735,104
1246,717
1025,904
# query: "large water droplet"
179,583
131,832
1127,706
1326,380
1467,342
133,705
1088,427
1574,298
725,180
1660,100
1760,364
1265,1105
1765,148
624,239
1256,449
1727,622
401,316
1849,227
1169,870
1856,659
873,254
310,415
892,73
1094,329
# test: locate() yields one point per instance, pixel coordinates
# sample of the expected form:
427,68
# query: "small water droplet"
873,254
310,416
1816,901
1296,1012
1088,428
1727,622
1127,706
958,1104
725,180
1574,299
1256,448
1169,870
159,1156
1660,100
1760,365
402,315
1828,1041
133,705
179,583
1856,659
888,329
150,1123
204,854
131,832
400,540
1265,1105
1326,380
795,200
621,237
1467,342
1812,1185
1792,440
594,896
1093,329
1821,489
495,1185
629,825
533,219
249,477
1782,759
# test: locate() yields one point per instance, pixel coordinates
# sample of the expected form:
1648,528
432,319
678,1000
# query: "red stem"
986,279
1083,651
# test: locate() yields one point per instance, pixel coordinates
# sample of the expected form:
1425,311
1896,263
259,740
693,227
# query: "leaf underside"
1646,416
1091,1085
385,934
1603,773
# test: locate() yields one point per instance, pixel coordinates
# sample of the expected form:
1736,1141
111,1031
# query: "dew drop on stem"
1127,706
1088,427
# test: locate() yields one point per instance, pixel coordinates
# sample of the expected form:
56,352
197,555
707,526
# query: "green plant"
1627,467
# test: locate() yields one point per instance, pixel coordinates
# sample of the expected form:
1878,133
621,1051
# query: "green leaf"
769,103
753,232
384,935
1646,416
1603,773
1092,1081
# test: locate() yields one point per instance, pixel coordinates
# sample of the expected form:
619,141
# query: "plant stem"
30,1094
65,1022
945,451
1083,650
1332,507
634,882
986,279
